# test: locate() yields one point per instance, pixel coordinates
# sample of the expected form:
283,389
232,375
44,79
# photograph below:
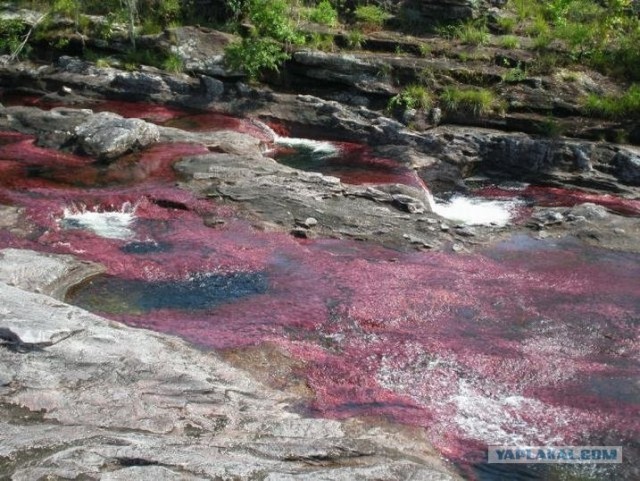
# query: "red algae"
559,197
526,342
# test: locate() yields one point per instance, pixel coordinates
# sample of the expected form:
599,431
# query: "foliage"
372,17
321,41
622,106
507,24
472,33
254,55
412,97
473,101
11,35
514,75
510,42
324,14
173,63
355,38
265,46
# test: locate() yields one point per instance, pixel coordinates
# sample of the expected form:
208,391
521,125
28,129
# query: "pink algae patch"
558,197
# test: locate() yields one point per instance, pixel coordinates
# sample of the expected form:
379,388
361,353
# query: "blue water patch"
110,294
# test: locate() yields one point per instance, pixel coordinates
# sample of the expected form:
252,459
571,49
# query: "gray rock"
212,87
627,165
107,136
590,211
48,274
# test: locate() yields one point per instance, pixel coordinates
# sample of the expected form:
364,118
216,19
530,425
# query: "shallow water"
528,341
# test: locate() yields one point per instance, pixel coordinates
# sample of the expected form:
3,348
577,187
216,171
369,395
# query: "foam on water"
115,224
318,147
474,211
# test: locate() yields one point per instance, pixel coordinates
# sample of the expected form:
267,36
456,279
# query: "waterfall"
115,224
320,147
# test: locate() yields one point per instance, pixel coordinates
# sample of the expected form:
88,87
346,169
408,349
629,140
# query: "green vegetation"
265,47
355,39
514,75
472,33
324,14
371,17
11,32
412,97
473,101
173,63
622,106
510,42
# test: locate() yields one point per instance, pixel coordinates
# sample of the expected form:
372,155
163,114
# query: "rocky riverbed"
203,279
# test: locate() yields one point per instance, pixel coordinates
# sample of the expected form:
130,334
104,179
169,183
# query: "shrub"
10,35
324,14
412,97
474,101
626,105
255,55
371,17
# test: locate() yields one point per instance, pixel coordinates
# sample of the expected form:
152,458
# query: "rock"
444,227
140,83
200,49
466,231
108,136
48,274
627,165
212,87
309,222
104,400
408,203
590,211
300,232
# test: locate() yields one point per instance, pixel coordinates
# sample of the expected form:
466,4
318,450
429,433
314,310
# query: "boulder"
107,136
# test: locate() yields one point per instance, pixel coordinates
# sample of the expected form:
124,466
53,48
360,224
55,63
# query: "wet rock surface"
81,400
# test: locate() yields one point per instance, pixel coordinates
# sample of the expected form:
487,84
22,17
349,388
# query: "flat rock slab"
104,401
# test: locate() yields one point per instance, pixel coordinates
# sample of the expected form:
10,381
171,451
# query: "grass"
473,101
173,63
355,39
510,42
371,17
622,106
472,33
412,97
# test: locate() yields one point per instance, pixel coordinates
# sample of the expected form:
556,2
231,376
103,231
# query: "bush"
255,55
622,106
474,101
324,14
10,35
412,97
371,17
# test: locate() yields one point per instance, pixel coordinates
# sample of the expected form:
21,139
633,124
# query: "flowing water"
525,342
